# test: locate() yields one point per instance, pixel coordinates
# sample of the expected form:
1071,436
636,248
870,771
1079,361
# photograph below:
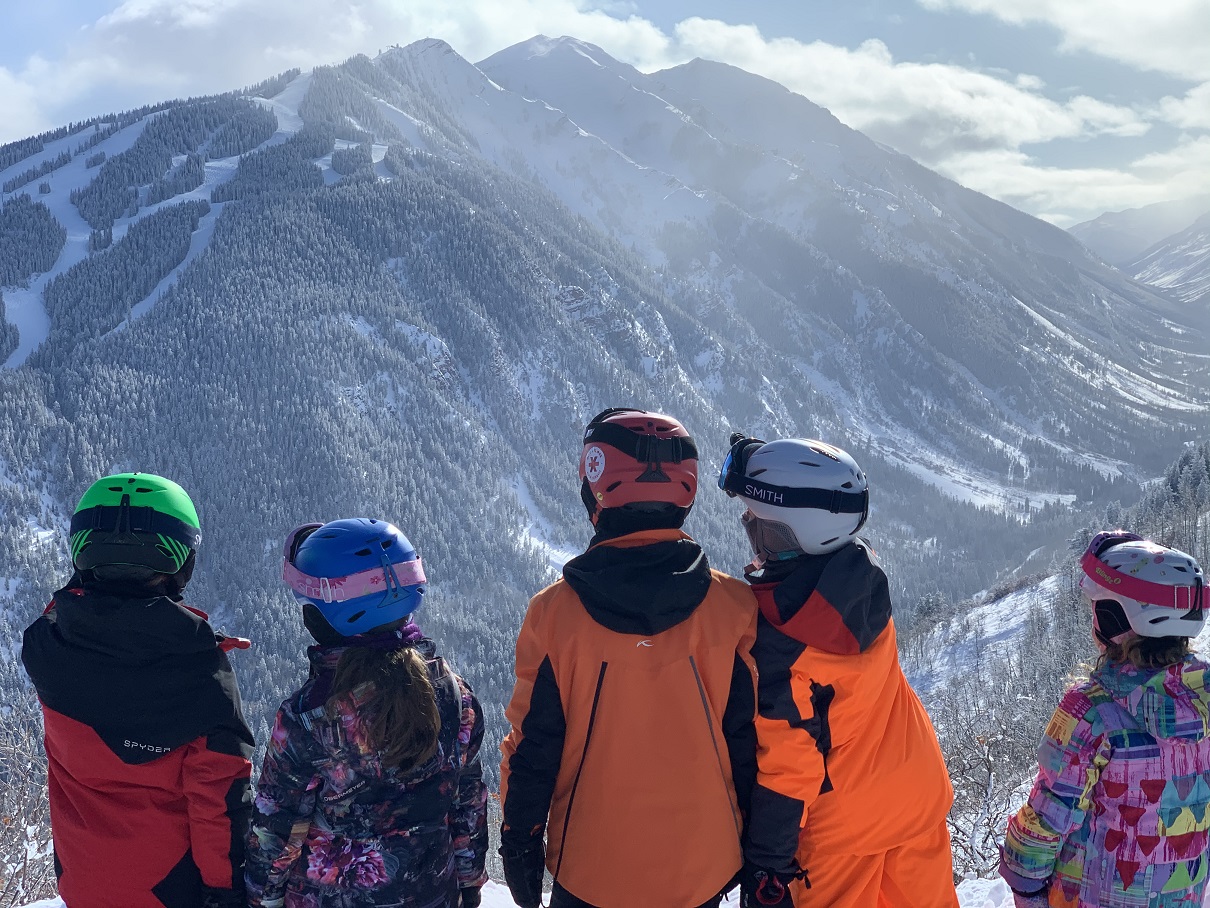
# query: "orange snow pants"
918,874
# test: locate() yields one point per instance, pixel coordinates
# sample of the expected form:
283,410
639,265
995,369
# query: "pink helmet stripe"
353,586
1181,598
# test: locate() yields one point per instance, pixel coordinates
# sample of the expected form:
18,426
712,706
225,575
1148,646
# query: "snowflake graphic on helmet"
594,463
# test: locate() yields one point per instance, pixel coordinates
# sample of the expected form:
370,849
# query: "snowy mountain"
1121,237
401,286
1179,264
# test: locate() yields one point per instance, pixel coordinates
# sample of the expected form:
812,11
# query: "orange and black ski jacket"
848,759
632,736
148,753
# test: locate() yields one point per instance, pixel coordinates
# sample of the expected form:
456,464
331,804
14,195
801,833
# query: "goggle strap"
643,448
1138,589
391,580
129,520
836,501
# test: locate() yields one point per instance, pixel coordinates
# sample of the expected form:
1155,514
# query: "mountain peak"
540,46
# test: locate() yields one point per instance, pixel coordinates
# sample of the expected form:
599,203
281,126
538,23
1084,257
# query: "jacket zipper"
592,719
701,689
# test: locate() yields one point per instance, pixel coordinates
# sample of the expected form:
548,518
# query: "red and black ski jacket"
148,753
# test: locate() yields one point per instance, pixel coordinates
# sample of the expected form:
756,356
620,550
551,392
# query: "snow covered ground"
971,894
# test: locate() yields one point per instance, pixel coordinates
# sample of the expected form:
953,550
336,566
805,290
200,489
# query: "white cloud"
1067,195
147,50
1190,112
1163,35
20,113
968,124
927,110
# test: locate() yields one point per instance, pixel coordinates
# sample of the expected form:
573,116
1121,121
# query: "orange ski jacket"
632,736
848,759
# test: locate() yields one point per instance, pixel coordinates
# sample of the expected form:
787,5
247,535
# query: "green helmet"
137,519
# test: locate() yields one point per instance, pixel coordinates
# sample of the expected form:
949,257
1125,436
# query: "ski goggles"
386,578
735,464
1184,598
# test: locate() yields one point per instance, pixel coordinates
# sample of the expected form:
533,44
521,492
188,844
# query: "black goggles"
733,480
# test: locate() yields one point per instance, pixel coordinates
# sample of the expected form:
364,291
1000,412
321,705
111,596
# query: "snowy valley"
400,286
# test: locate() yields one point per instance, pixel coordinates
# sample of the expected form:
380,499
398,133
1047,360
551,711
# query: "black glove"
223,898
470,897
523,869
762,888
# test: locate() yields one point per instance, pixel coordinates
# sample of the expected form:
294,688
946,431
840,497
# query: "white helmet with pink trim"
1137,585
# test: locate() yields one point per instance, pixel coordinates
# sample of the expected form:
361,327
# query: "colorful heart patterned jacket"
1118,815
332,827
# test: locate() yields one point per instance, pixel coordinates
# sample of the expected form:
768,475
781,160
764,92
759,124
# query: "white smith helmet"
802,495
1137,585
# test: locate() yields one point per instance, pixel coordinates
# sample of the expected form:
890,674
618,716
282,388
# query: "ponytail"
400,705
1147,653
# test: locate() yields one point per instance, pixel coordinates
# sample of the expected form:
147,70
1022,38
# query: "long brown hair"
392,689
1146,652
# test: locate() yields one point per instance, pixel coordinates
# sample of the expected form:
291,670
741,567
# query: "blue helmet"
358,573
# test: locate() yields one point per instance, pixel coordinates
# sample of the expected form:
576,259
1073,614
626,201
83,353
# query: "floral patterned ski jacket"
1119,813
333,829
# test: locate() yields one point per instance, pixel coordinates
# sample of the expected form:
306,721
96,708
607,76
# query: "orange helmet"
633,457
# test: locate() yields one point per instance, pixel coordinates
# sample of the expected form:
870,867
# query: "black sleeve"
536,754
739,731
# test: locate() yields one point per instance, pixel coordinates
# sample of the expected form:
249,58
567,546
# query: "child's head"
352,576
1146,599
638,470
362,576
135,534
803,496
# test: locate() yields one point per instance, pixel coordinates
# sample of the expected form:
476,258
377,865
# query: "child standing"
851,793
630,759
371,793
1119,813
148,755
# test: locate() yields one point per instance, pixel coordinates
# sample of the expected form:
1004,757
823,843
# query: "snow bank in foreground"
971,894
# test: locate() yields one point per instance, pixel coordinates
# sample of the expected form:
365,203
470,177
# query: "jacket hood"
130,630
641,583
838,602
1170,702
143,670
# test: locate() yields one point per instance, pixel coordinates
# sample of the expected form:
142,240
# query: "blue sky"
1063,108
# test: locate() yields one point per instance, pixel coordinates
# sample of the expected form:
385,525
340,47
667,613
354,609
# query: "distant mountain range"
400,286
1166,245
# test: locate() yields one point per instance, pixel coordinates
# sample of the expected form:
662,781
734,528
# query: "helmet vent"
613,486
1181,568
829,541
847,485
363,552
756,473
143,489
386,544
810,463
356,615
